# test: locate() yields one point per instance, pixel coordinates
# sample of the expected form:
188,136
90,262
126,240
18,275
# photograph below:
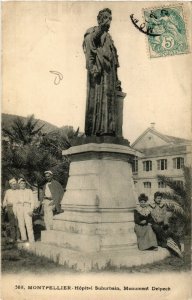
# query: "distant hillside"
8,119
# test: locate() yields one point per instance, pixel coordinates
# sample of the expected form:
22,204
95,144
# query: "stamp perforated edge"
185,19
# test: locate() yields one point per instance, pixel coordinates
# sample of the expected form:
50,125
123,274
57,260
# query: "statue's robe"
102,82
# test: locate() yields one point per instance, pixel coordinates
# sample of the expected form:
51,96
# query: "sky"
39,37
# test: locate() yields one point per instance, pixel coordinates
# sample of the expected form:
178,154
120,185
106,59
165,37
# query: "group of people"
152,226
19,203
151,221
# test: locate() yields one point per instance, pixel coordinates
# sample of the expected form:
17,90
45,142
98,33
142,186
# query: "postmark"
169,23
142,27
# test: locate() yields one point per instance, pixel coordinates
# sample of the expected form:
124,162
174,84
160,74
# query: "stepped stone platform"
96,229
91,261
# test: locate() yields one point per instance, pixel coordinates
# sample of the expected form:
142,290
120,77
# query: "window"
179,183
135,165
147,184
178,163
162,164
161,185
135,182
147,165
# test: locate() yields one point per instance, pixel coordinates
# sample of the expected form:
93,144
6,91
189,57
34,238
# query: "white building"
159,154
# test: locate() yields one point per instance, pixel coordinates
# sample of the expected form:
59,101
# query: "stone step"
86,242
71,240
100,216
95,260
114,228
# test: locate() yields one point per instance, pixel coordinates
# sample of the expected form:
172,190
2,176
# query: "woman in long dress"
146,238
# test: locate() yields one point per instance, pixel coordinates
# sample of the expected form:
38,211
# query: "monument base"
95,261
97,226
99,200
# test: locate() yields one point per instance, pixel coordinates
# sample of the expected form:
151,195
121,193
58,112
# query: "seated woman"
146,238
160,224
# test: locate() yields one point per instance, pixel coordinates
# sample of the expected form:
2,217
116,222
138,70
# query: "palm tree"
23,132
60,139
178,200
28,160
30,152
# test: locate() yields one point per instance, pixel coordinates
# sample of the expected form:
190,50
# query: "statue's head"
104,18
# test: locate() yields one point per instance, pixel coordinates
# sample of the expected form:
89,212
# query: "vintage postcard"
96,150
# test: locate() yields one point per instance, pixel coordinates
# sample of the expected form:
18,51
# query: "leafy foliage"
178,200
27,152
23,132
59,140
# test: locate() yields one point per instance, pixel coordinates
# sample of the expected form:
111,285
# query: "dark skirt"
146,237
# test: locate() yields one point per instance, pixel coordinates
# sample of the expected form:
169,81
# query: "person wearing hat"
146,238
52,196
160,219
25,207
160,224
9,204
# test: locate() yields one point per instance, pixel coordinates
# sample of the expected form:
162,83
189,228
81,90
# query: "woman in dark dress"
146,238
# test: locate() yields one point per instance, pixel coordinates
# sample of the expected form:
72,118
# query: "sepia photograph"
96,158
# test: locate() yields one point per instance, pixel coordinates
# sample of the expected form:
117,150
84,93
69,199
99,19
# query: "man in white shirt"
25,206
52,196
9,204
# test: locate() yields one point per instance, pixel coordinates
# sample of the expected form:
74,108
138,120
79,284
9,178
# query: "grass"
16,261
169,264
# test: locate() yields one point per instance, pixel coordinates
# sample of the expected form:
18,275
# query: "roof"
177,140
167,138
171,149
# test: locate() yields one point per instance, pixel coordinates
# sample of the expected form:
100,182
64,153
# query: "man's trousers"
14,230
48,214
25,220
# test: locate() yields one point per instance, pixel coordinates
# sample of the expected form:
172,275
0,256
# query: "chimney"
152,125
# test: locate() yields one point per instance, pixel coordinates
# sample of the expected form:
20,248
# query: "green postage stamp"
169,26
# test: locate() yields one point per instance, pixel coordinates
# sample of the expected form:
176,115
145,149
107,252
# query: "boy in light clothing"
25,207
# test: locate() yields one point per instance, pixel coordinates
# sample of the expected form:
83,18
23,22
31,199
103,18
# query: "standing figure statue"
102,80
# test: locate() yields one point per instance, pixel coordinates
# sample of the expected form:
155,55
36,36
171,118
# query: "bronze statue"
102,80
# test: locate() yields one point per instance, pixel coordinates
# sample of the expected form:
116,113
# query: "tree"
178,200
23,132
59,140
28,152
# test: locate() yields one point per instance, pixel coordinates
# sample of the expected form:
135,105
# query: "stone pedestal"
96,230
99,200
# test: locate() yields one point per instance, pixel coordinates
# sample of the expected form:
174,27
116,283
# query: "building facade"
159,154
